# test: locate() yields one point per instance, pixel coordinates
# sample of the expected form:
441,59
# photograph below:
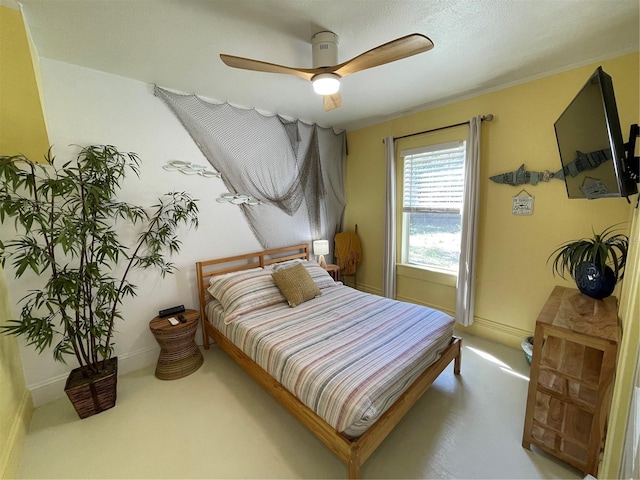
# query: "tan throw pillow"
296,284
319,275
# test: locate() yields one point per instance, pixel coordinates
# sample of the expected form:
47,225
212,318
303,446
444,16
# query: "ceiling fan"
326,72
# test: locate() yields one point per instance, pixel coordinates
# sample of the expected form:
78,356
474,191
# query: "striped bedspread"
346,354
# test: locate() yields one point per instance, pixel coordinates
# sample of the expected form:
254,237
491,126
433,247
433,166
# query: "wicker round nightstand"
179,354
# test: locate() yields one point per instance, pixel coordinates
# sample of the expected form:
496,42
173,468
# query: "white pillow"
245,291
287,263
231,274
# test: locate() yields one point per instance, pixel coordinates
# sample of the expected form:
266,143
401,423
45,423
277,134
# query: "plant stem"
124,276
54,266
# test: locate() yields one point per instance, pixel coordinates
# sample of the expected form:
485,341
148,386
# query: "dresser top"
569,309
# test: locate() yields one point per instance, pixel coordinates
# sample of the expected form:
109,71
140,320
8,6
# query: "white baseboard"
363,287
53,388
497,332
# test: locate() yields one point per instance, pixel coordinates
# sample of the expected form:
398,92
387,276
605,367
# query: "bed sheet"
347,355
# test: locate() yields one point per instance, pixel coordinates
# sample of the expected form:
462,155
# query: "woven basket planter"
91,395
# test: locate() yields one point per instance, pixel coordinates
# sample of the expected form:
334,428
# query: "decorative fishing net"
293,172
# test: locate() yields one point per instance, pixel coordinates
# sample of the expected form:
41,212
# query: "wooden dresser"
572,371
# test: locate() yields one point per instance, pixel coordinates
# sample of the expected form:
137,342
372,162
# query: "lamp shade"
320,247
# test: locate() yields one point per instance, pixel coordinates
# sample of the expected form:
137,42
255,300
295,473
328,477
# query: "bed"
349,365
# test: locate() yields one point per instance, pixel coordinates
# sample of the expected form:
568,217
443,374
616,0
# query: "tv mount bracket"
633,162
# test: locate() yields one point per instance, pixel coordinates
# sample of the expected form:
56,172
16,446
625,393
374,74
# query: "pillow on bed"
239,272
285,264
296,284
320,276
245,291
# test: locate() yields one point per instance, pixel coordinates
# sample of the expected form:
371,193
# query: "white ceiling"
480,45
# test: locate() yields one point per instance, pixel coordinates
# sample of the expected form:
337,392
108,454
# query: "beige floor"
218,423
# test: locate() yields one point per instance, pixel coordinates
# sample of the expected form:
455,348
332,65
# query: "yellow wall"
16,407
513,278
627,357
22,130
22,124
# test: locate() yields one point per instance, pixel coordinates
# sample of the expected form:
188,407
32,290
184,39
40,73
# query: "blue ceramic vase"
591,281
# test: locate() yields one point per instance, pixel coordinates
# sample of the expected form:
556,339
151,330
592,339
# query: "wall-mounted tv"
590,142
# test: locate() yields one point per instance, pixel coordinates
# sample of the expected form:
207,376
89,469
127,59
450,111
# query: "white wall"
84,107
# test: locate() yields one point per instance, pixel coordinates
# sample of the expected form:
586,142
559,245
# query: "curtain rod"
484,118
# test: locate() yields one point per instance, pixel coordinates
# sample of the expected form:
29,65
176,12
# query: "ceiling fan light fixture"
327,72
326,83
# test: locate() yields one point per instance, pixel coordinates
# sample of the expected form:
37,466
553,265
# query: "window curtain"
389,256
295,170
465,297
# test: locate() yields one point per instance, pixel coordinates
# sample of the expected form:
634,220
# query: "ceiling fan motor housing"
324,49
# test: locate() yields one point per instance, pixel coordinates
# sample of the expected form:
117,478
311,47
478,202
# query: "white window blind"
434,179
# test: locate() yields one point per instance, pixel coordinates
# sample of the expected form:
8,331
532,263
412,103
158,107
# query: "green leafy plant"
605,249
65,218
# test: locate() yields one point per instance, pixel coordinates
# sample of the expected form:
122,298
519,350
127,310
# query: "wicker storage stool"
179,354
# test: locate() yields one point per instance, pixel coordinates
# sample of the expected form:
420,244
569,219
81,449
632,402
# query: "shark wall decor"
521,177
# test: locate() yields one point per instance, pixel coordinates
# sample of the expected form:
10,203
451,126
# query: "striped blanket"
347,355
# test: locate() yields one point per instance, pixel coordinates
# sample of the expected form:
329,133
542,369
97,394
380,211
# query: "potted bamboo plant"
65,217
595,264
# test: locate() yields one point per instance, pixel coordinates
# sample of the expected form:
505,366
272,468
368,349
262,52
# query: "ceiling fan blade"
332,101
398,49
258,66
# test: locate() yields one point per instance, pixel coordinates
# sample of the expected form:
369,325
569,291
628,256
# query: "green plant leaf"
65,216
604,249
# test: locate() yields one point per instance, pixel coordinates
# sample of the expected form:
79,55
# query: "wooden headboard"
208,268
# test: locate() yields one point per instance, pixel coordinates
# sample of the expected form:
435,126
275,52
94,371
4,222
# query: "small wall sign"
522,203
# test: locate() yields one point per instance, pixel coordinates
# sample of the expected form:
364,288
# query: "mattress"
346,354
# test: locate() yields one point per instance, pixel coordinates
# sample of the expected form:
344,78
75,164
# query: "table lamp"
321,248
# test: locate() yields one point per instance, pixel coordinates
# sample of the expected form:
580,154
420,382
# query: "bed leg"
205,337
458,359
354,471
354,465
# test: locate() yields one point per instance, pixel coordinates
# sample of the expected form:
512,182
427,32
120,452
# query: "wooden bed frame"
354,452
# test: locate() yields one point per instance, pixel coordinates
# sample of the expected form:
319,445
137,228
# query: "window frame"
405,234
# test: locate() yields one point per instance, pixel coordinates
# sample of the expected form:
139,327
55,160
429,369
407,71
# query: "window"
432,203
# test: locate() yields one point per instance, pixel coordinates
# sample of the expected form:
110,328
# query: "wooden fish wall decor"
521,176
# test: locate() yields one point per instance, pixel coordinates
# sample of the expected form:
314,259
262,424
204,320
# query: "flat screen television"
592,150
